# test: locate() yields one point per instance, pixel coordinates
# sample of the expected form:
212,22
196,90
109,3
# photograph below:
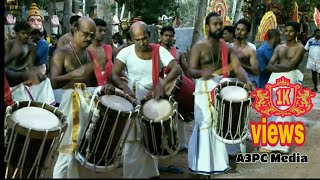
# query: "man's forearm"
9,58
115,78
277,68
249,69
60,81
173,74
15,77
241,75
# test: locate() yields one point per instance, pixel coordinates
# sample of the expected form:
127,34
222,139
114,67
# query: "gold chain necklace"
74,51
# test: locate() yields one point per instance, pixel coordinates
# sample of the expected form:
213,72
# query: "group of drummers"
129,108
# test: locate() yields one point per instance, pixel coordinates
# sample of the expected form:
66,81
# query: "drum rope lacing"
36,168
221,108
94,116
164,137
38,157
39,170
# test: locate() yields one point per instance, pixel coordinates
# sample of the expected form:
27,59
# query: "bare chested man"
20,55
246,51
71,63
101,53
206,154
21,70
284,62
72,70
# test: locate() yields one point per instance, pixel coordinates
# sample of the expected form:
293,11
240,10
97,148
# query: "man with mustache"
246,51
25,79
72,71
284,62
206,154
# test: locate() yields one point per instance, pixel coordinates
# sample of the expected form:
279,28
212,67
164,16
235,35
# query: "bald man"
138,60
72,71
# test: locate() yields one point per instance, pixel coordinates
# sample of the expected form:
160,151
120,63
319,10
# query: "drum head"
36,118
116,103
157,110
234,93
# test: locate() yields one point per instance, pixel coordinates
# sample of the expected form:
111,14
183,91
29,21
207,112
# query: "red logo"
268,100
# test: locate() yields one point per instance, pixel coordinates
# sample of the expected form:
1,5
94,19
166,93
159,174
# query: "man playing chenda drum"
284,62
138,60
72,70
166,41
206,154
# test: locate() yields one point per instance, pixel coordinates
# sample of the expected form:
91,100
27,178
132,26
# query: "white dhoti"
137,163
206,154
42,92
182,134
295,77
75,103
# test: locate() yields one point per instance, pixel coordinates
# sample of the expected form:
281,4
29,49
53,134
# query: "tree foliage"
150,10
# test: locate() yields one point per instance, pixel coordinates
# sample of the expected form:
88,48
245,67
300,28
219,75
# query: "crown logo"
283,81
300,103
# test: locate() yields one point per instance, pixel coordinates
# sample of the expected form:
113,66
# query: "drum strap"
7,93
155,64
224,57
174,54
102,78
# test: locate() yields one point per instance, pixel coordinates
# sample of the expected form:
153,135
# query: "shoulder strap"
108,68
224,56
155,64
97,71
7,93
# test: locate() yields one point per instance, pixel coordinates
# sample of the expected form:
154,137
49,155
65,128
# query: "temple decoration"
268,21
221,7
316,17
296,13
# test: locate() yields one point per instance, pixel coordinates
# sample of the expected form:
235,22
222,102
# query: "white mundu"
75,104
137,163
42,92
206,154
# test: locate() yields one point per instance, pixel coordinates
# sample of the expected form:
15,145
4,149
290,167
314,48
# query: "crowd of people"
79,62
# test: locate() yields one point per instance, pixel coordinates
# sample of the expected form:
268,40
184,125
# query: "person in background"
264,54
313,47
42,50
228,34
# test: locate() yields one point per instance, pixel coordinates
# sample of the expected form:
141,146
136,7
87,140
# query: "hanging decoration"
268,21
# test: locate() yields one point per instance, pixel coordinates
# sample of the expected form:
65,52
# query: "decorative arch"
222,8
268,21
